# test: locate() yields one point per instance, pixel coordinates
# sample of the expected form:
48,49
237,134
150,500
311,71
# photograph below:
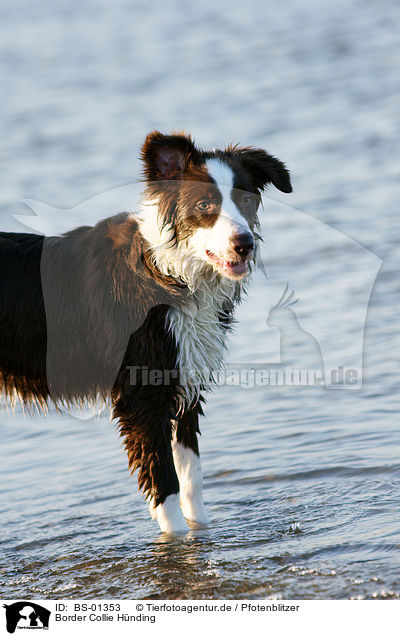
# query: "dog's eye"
246,199
203,205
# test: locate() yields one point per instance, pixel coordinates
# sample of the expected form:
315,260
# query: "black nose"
243,244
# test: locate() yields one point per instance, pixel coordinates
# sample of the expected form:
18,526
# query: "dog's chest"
200,342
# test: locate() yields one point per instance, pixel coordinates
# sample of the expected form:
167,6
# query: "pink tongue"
238,268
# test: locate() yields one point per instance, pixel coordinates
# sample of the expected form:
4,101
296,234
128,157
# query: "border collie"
137,307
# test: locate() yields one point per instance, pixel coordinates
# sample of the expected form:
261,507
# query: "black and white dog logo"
26,615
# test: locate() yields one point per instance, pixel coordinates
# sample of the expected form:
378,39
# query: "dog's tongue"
236,268
239,267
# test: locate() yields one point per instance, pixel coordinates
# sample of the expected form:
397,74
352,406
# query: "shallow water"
302,483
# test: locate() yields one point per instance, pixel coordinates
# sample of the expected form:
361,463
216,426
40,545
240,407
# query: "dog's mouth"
232,269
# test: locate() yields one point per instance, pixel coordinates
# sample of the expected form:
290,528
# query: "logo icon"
26,615
298,347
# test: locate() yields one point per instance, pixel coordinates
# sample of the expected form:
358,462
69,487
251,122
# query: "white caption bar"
154,617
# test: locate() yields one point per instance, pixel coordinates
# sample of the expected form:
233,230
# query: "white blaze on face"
230,222
223,176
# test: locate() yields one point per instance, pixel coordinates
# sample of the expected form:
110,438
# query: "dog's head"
207,201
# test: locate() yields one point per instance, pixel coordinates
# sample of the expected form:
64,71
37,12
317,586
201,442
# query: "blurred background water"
302,484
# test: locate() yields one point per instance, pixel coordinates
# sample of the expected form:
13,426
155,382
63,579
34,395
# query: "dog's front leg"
146,430
187,464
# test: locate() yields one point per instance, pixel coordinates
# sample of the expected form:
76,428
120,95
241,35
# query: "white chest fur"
198,333
200,338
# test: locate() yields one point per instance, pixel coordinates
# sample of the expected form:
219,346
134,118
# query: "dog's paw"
169,516
194,510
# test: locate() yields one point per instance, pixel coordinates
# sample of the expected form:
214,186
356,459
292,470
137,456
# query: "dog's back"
69,307
22,317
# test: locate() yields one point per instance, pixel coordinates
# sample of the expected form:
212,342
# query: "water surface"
302,484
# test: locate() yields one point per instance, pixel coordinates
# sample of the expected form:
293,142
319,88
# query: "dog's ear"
264,168
166,156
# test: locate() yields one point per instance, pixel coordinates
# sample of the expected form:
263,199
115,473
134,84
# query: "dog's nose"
243,244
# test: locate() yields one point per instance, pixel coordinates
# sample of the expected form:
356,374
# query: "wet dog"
138,306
